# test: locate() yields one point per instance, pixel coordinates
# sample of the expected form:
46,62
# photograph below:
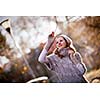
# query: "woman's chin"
60,48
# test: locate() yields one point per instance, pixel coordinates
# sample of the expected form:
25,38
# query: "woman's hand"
50,41
51,37
52,34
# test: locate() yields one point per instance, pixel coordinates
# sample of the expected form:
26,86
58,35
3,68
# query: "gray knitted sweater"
65,69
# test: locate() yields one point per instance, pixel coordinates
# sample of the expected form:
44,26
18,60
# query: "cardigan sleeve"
81,66
43,56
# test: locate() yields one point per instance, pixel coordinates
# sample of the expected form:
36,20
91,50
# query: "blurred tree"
28,31
2,41
85,34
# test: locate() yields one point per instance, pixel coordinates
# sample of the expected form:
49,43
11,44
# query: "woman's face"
60,42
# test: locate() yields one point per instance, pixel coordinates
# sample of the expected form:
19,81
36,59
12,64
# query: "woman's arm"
43,56
77,60
81,66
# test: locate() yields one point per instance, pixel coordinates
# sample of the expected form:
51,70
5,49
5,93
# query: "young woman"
64,61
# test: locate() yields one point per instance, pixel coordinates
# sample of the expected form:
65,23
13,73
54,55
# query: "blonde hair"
68,42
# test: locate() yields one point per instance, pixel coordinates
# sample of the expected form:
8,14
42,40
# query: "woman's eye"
61,40
56,42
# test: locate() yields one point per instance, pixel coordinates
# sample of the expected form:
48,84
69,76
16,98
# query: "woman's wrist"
47,46
49,41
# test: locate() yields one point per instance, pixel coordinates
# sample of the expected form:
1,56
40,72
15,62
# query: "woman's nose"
59,43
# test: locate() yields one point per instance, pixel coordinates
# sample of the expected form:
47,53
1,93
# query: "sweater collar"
63,52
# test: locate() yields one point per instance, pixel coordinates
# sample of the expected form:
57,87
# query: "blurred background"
19,64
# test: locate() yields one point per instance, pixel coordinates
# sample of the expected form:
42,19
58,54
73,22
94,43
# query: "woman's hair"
68,41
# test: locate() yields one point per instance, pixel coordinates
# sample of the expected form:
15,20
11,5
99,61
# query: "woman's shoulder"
78,56
70,51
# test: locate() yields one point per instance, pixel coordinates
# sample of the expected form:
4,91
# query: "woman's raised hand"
50,41
52,34
51,37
